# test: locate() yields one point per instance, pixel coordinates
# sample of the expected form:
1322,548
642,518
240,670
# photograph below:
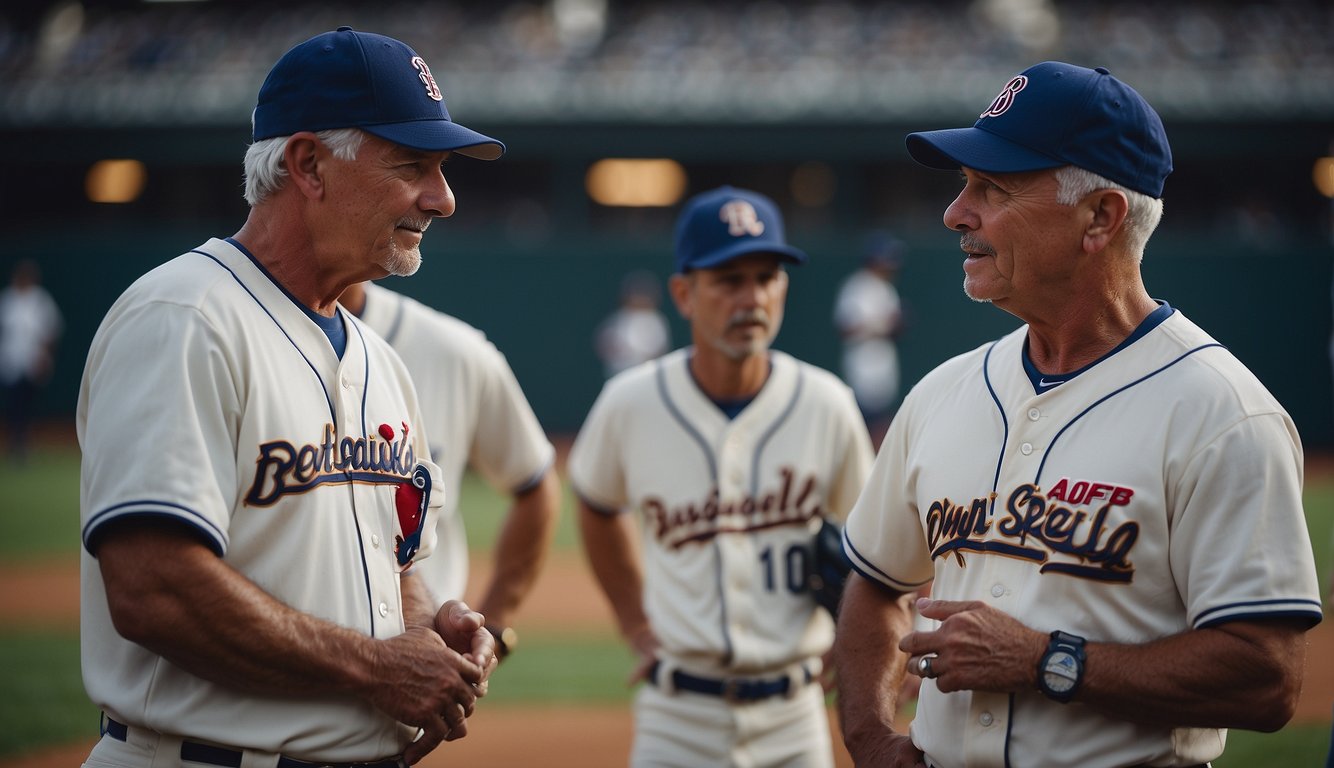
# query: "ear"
679,287
302,157
1108,209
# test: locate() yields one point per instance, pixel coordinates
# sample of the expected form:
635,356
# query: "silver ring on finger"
924,667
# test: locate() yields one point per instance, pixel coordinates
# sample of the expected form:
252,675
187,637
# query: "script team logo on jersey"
792,501
1056,529
428,80
741,219
282,468
1005,98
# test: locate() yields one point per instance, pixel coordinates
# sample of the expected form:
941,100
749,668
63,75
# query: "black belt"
731,689
231,758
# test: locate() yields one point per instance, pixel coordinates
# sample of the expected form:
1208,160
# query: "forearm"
1238,675
207,618
521,549
613,557
870,665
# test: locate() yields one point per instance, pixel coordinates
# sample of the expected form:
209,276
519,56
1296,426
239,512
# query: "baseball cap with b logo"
1054,114
350,79
727,223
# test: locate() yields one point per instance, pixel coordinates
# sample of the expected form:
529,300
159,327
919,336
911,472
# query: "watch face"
1060,671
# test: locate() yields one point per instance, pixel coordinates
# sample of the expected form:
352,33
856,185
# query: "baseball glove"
829,567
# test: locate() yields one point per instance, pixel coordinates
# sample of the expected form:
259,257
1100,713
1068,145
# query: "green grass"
39,505
42,700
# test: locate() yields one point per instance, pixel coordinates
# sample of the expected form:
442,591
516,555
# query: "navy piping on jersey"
1315,612
769,432
400,309
332,326
1009,728
660,374
1047,382
532,482
324,390
216,537
1037,479
356,523
864,567
1005,425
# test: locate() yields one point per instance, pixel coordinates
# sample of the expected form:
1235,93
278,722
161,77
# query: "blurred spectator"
869,317
30,324
638,330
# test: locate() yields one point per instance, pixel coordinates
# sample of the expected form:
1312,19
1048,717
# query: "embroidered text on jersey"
282,468
1053,529
790,503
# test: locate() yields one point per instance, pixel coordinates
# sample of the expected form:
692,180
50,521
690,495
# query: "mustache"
970,243
418,225
744,317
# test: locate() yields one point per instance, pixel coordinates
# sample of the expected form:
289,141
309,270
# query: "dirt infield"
565,598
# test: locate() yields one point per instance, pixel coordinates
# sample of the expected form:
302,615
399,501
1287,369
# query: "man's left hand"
976,648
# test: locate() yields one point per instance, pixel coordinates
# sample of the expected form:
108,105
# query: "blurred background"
123,124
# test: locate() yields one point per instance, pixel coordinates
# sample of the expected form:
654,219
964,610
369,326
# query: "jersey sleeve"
1240,547
509,449
595,467
159,414
883,536
855,464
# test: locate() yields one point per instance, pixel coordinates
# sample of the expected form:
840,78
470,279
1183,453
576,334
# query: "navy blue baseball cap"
350,79
727,223
1054,114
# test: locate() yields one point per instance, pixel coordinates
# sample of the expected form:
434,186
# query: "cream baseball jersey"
210,398
474,411
728,507
1157,491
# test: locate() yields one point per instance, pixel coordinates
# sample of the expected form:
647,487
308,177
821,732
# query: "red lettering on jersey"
1089,492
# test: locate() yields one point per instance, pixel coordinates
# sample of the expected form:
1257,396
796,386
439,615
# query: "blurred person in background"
703,477
476,416
30,326
869,317
637,331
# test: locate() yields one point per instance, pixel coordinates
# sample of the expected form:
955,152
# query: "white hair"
1142,214
264,170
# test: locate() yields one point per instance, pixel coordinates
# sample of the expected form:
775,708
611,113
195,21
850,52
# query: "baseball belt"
231,758
730,689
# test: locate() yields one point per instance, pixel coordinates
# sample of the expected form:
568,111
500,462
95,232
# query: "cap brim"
439,136
718,258
975,148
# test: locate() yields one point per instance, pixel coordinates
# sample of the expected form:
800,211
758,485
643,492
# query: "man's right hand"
423,682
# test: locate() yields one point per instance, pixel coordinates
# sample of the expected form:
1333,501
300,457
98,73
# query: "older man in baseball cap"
1106,502
256,479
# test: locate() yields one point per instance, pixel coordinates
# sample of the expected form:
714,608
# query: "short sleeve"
159,414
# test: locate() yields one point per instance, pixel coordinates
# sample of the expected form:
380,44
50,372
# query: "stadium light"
115,181
635,183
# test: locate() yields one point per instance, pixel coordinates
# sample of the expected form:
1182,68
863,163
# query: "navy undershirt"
1045,382
730,408
332,326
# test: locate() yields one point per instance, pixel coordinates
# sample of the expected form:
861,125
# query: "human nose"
438,198
959,216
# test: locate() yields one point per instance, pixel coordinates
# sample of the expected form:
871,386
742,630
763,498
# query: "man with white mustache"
731,456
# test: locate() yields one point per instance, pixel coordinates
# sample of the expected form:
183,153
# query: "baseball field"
560,700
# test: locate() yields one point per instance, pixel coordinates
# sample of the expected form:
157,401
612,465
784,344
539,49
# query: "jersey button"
986,719
1033,414
375,540
384,610
997,590
1026,448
